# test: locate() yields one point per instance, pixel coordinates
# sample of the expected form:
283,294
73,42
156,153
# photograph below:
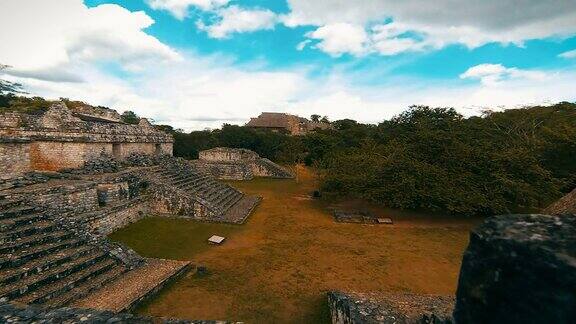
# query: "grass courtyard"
278,266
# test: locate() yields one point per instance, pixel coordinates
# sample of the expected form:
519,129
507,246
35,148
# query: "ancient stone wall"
14,159
226,170
111,219
227,154
59,139
266,168
238,164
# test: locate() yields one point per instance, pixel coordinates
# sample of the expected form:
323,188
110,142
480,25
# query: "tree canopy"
427,158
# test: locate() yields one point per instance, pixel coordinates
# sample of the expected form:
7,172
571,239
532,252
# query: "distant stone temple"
239,164
285,123
62,138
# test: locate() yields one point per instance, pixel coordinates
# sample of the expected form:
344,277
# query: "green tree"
8,87
129,117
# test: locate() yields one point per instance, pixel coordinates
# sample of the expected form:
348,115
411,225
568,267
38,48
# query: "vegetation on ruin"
278,267
28,105
430,159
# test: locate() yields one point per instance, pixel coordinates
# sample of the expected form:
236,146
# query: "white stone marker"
215,239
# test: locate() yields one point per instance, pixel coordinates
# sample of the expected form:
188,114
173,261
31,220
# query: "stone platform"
135,286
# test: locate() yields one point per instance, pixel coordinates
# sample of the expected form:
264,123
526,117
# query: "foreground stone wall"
11,313
519,269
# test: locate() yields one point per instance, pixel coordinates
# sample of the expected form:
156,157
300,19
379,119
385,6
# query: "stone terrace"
239,164
53,251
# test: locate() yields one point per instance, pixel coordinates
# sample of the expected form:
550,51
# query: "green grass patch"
178,239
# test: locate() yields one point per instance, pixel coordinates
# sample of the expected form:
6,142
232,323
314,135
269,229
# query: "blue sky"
200,63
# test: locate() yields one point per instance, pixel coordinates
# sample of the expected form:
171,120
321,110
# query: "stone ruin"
68,180
239,164
516,269
61,138
54,217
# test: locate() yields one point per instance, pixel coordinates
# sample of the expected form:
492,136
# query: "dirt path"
278,266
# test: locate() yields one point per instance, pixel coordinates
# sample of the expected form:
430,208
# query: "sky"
197,64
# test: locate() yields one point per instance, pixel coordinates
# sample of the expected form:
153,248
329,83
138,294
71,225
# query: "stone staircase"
215,195
275,170
218,197
43,263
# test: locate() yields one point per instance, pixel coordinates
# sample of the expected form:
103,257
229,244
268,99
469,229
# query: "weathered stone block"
519,269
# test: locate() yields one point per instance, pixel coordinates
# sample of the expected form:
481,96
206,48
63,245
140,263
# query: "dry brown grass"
278,266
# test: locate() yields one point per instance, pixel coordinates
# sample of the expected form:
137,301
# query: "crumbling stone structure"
61,138
102,176
239,164
285,123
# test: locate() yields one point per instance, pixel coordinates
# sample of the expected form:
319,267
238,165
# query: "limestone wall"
239,164
227,154
14,159
115,218
58,140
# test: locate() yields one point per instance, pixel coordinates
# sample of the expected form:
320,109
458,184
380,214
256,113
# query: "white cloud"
179,8
234,19
569,55
207,93
435,24
493,74
340,38
195,92
53,39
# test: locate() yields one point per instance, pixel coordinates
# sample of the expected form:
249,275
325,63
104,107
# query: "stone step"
33,240
10,223
37,285
43,263
179,180
68,282
232,201
20,257
7,203
16,211
85,288
28,229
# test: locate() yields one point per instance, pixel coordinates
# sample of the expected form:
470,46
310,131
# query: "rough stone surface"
61,138
10,313
357,308
519,269
239,164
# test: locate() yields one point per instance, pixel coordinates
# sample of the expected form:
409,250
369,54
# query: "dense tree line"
429,159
